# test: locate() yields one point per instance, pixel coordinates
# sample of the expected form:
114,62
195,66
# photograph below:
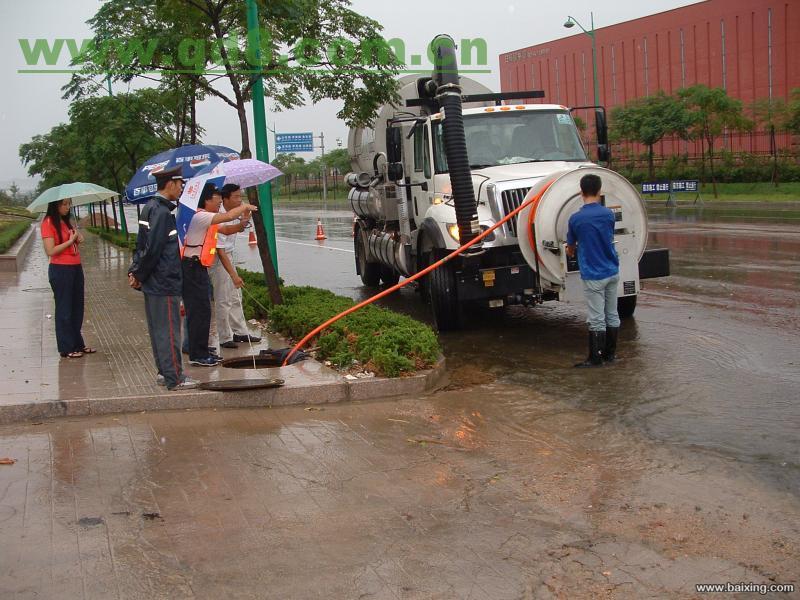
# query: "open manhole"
251,362
227,385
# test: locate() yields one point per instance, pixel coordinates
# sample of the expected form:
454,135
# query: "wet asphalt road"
710,357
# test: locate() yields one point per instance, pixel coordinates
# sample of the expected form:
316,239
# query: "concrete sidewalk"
121,376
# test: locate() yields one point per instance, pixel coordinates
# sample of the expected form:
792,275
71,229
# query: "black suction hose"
448,94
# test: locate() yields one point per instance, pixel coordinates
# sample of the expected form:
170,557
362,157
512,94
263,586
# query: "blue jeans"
601,298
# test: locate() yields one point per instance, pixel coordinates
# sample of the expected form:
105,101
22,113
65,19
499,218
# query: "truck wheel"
389,276
625,306
424,285
370,272
444,299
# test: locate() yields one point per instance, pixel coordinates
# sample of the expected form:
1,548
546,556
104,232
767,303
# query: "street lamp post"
569,23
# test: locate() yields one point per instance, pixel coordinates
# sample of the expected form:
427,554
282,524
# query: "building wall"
751,48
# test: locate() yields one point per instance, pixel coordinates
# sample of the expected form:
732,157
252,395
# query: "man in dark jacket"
156,270
592,230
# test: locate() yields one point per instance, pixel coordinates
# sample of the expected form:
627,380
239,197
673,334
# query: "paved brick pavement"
121,375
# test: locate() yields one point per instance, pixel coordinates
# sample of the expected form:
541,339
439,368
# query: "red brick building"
751,48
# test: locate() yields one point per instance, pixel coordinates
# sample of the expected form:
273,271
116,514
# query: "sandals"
77,354
88,350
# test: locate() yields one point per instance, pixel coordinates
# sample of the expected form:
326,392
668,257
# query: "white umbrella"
248,172
79,192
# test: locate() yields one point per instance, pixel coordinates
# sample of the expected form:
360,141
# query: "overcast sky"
31,103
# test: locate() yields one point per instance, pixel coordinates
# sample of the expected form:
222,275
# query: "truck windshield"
505,138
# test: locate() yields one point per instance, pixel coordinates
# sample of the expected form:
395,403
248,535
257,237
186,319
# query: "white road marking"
285,241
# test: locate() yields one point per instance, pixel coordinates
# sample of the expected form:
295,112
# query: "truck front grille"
512,199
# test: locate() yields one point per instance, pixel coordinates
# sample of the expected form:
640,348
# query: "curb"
342,390
10,261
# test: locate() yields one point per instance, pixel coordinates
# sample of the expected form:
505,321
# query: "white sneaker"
160,380
187,384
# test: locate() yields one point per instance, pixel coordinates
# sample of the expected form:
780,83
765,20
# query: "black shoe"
229,344
597,341
246,338
610,353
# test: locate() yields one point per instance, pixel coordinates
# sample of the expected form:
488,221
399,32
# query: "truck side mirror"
603,150
394,145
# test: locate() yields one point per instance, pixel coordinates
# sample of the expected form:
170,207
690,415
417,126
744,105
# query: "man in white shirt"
231,324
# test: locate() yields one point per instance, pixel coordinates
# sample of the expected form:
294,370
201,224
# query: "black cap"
175,172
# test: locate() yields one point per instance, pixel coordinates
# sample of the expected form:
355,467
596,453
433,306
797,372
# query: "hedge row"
115,237
383,341
10,232
728,168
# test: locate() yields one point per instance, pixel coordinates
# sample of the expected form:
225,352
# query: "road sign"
294,142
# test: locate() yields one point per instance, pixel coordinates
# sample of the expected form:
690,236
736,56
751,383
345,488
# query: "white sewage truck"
451,161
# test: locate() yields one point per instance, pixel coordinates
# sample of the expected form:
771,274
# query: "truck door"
422,169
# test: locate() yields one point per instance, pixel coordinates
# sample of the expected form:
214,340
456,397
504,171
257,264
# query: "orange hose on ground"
425,271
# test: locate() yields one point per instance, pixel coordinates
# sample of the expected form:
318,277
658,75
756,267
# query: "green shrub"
382,340
115,237
10,232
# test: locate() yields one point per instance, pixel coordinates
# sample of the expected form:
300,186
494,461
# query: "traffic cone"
252,239
320,232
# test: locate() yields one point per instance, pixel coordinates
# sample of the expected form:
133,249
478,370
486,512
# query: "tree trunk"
193,117
114,210
711,166
270,276
773,149
650,169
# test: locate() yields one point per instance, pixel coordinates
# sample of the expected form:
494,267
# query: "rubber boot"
597,341
610,353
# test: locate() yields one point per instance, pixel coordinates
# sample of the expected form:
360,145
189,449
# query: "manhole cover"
226,385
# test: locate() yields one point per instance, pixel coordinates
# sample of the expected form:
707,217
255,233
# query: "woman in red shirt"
65,273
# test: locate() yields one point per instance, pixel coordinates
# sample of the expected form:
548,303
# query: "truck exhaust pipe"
448,94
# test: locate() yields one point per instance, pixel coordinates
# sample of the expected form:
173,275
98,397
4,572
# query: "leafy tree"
771,114
647,120
306,47
339,160
289,164
711,112
792,122
106,139
205,41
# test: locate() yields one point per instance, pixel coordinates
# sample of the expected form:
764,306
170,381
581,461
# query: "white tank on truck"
451,160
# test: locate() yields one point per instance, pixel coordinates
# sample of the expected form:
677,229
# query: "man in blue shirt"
592,230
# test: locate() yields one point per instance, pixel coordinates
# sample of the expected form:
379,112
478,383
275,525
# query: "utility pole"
324,174
573,21
264,217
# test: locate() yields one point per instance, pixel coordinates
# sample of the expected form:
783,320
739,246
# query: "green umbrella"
80,193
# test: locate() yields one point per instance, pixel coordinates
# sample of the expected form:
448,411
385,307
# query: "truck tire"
370,272
444,299
625,306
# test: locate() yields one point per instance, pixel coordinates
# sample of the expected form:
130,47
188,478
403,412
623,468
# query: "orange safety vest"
208,250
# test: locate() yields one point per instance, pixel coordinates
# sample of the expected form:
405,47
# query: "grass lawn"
10,231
